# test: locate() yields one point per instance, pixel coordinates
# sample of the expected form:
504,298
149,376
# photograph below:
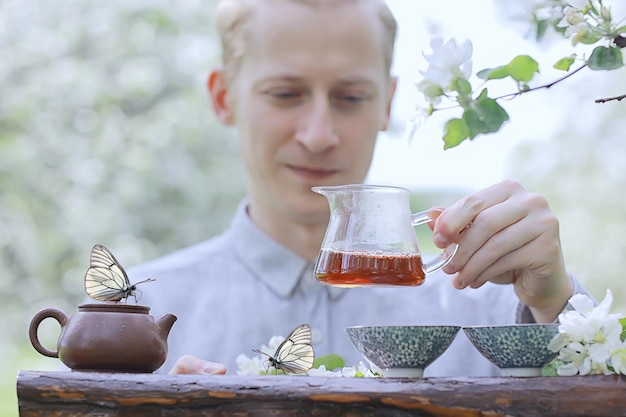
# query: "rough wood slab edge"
558,396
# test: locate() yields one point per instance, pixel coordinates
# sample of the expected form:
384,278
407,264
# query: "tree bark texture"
60,394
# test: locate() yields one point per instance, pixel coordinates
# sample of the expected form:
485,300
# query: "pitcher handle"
444,257
58,315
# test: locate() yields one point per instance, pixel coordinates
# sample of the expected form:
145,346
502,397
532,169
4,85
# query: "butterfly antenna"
267,362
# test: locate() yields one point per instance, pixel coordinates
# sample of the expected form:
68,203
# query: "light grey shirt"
232,293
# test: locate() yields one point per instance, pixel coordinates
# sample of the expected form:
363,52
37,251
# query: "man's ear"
218,90
392,92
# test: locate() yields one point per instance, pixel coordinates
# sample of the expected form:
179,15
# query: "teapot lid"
114,308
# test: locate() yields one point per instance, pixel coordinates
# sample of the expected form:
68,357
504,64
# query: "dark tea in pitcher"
357,268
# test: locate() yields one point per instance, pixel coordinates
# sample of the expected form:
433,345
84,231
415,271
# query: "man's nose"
316,131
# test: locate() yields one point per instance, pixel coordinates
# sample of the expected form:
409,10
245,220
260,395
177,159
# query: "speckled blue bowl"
518,350
402,351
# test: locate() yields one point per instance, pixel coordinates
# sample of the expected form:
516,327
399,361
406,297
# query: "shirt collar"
278,267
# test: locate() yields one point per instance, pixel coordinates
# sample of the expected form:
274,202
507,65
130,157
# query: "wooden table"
102,394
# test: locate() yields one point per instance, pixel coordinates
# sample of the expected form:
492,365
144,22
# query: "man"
307,84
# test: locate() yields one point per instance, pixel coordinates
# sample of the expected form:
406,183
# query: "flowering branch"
539,87
590,340
449,68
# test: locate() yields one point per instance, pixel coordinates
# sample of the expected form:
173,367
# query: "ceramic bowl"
518,350
402,351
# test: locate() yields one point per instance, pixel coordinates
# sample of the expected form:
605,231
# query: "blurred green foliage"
106,136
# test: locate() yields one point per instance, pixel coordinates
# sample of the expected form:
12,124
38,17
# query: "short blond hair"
231,17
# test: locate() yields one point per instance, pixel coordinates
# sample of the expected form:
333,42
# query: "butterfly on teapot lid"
106,280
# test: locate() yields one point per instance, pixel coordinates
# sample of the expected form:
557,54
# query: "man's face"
309,99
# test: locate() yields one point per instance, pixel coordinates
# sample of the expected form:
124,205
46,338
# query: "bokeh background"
106,136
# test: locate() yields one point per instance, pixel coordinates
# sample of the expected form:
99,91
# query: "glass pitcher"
370,239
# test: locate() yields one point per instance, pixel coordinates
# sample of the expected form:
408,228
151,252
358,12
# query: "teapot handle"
59,316
444,257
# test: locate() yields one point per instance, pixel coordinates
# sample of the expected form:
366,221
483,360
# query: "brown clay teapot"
107,337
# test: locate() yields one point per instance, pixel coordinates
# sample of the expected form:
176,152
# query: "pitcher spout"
338,195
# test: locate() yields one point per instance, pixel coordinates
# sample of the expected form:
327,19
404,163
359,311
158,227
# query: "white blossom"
416,120
548,12
578,4
574,21
322,371
359,370
618,359
571,16
447,62
249,366
589,340
273,345
258,365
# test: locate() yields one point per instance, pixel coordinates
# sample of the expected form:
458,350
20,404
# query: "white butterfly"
105,279
295,354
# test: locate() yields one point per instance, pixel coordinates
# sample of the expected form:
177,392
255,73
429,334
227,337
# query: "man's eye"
349,99
284,95
352,98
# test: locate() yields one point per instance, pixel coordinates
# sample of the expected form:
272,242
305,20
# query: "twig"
550,84
539,87
616,98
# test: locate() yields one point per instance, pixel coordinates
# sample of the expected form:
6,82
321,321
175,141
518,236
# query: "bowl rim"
403,326
502,326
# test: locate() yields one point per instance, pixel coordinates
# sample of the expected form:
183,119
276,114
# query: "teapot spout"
165,322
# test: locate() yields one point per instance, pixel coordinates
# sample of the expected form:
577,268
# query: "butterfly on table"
106,280
295,354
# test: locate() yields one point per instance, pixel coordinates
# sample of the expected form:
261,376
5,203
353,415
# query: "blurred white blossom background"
106,136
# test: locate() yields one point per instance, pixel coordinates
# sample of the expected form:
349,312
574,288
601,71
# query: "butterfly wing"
105,279
295,354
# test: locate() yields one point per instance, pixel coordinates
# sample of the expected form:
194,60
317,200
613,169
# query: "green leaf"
455,132
485,115
331,361
429,89
462,86
493,73
484,73
551,367
565,63
605,58
523,68
622,336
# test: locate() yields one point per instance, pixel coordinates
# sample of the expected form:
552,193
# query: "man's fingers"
191,365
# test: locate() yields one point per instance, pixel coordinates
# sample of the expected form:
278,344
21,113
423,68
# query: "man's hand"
507,235
191,365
